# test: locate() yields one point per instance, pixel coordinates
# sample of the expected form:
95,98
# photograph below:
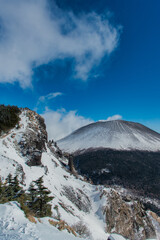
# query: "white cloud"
114,117
30,35
60,123
49,96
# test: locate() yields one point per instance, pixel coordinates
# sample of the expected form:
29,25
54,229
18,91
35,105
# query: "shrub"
81,229
62,225
31,219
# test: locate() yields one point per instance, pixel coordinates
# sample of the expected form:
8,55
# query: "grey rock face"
34,138
79,198
127,217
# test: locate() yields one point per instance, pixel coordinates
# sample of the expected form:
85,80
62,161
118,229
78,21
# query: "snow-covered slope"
15,226
118,134
76,201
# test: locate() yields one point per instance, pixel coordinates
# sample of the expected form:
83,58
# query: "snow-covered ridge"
117,134
69,206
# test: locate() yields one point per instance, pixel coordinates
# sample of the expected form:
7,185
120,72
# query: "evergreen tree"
3,199
2,192
23,200
9,193
36,201
16,187
32,195
12,188
9,117
41,204
1,187
9,179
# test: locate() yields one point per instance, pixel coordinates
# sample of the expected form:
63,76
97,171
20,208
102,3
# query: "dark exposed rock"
55,149
70,163
127,217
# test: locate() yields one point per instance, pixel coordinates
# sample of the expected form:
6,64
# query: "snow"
116,237
15,226
118,134
13,223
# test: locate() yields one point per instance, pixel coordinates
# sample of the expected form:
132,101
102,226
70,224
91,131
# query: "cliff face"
127,217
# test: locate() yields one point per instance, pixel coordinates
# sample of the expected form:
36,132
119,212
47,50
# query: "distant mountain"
117,153
118,134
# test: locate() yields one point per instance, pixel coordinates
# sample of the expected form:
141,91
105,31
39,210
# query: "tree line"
34,201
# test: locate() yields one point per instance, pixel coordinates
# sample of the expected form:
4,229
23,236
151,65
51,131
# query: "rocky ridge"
127,217
32,142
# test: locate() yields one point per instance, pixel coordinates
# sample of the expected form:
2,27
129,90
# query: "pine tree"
32,195
9,179
1,187
41,205
9,193
23,200
1,191
3,198
36,201
12,187
10,190
16,187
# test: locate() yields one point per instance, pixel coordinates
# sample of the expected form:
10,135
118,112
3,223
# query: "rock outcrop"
127,217
32,143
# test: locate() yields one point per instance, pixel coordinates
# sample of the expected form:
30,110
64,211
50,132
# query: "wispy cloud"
32,35
49,96
44,100
60,123
114,117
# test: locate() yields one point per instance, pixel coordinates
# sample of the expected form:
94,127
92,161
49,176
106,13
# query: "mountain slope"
118,134
14,225
73,198
25,151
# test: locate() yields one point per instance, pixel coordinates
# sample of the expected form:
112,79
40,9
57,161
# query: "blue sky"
81,61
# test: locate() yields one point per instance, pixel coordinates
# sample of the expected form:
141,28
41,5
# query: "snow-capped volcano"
117,134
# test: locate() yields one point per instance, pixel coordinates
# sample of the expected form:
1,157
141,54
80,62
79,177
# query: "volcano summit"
118,134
